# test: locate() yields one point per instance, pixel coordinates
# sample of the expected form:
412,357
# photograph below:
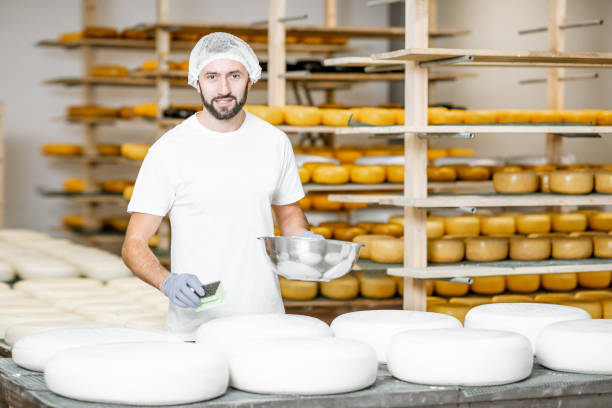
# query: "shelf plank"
357,302
497,128
96,159
313,187
442,200
307,129
106,198
501,58
95,238
507,267
360,62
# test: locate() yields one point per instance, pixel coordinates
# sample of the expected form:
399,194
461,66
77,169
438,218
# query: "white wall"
33,110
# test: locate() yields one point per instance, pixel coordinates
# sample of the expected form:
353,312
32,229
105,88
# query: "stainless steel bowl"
311,259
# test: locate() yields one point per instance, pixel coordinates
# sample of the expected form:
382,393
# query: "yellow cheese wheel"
109,149
348,156
312,166
523,283
595,280
108,71
73,221
92,111
606,306
572,248
62,149
561,282
321,151
571,222
368,174
347,233
352,206
530,249
603,181
400,116
571,182
579,116
592,294
115,186
602,246
346,287
512,299
602,221
497,225
593,307
399,219
451,309
470,300
304,174
367,225
466,225
431,300
321,203
453,116
488,285
326,232
74,185
298,290
135,151
271,114
377,286
394,230
480,116
512,116
127,192
302,115
70,37
387,250
335,117
604,118
435,228
533,223
305,203
100,32
448,289
443,173
433,154
149,65
334,224
477,173
434,115
116,223
378,151
445,250
552,297
330,175
545,116
486,249
395,174
126,112
146,109
460,151
376,116
586,234
497,169
366,240
515,182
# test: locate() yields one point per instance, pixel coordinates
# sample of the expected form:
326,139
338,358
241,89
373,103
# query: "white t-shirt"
218,188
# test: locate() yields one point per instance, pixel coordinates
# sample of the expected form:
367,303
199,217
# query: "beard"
225,113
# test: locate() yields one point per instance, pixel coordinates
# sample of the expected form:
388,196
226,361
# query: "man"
219,174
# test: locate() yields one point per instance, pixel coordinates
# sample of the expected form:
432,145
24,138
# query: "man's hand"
184,290
310,234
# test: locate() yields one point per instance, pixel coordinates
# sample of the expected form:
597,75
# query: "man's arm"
136,252
290,219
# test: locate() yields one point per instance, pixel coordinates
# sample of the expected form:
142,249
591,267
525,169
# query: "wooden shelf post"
276,53
330,21
555,88
162,47
415,176
2,202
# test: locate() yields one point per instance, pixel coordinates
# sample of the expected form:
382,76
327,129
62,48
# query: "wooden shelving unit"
2,201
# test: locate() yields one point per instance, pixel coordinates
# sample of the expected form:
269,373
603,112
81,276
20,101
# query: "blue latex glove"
310,234
184,290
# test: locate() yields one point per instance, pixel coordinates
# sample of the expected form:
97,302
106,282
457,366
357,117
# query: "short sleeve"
154,190
289,187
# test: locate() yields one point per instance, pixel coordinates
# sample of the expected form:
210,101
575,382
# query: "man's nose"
224,87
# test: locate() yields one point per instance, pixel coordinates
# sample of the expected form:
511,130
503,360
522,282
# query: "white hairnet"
216,46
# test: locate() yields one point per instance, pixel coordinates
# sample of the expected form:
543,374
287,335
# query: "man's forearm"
142,261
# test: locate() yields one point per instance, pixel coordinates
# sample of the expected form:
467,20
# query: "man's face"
224,86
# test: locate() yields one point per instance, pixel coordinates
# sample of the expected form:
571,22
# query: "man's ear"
250,84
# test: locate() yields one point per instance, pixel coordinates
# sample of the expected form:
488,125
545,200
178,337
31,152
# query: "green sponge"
214,294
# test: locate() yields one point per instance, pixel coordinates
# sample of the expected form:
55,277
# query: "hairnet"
216,46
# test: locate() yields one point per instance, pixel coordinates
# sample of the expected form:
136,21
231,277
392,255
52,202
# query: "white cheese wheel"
226,332
131,373
7,273
19,331
34,351
472,357
42,268
4,287
37,284
305,366
377,327
153,322
579,346
12,319
119,318
126,283
527,319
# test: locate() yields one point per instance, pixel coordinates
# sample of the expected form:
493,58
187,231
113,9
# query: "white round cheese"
32,352
226,332
472,357
65,283
148,373
12,319
578,346
527,319
303,366
19,331
4,287
151,322
7,273
377,327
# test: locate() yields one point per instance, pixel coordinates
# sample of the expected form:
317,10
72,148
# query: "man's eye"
236,76
210,76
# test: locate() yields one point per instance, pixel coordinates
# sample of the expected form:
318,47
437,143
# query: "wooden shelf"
131,44
442,200
102,198
436,186
94,238
307,129
502,58
497,128
114,160
507,267
357,302
305,76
